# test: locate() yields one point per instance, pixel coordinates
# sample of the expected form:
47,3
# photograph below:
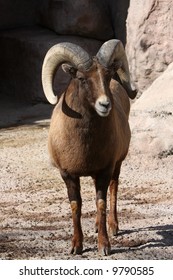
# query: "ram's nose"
103,106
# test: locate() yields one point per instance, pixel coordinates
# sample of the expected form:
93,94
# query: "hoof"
77,250
113,231
105,250
104,247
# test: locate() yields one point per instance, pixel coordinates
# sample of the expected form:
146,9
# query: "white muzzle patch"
103,106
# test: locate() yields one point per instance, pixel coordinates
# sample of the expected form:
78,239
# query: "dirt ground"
35,216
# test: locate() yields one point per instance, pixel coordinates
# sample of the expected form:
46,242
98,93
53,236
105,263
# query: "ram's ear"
67,68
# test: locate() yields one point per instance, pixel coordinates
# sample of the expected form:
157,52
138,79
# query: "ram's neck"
75,103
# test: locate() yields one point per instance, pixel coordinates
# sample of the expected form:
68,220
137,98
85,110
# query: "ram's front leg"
73,188
101,194
113,220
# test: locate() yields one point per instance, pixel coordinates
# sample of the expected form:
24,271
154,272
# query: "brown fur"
82,143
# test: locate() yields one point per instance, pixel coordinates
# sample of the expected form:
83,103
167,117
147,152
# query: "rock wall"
22,59
149,40
28,28
17,13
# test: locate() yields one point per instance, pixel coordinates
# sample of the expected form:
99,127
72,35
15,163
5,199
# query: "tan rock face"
149,40
152,118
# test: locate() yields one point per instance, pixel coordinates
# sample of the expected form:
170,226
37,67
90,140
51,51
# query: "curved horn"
56,55
111,52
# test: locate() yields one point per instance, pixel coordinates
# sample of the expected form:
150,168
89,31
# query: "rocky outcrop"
152,118
149,40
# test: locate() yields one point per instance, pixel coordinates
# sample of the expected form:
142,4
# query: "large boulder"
151,118
149,40
85,18
98,19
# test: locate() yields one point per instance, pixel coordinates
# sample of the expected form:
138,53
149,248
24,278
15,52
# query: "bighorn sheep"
89,131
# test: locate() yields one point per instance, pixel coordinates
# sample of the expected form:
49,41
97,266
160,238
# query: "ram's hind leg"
113,219
73,188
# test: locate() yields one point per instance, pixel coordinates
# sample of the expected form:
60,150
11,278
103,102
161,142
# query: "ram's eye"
82,80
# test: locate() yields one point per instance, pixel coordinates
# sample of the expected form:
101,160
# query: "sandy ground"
35,216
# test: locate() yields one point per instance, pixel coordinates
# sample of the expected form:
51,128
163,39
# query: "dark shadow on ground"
164,234
14,113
